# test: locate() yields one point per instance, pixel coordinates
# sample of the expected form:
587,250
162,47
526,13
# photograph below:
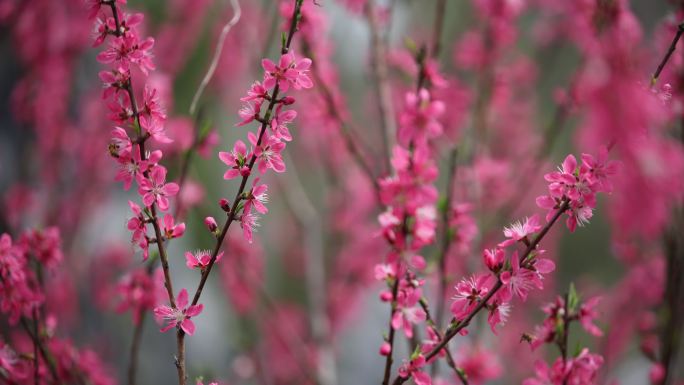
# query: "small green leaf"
573,298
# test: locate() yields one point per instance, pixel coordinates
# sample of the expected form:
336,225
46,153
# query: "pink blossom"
268,153
172,230
521,279
498,312
600,170
132,167
114,81
94,6
257,92
152,116
139,292
200,258
248,222
518,231
120,144
249,112
280,121
126,50
384,271
424,226
412,369
137,223
419,121
494,259
469,292
155,189
405,317
236,160
586,315
180,315
256,197
288,72
479,364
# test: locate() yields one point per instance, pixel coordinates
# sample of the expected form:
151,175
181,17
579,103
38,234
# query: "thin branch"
447,237
390,336
232,215
135,349
670,51
237,12
353,146
449,358
455,328
440,14
382,86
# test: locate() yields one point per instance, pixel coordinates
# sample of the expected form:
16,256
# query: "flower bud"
288,100
385,349
386,296
493,259
225,205
210,222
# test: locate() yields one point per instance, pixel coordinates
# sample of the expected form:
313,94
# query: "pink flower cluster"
126,52
267,144
582,369
20,290
578,184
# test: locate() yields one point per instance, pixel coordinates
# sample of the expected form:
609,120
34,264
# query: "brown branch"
447,237
382,87
453,330
449,358
353,146
232,215
670,51
391,333
440,13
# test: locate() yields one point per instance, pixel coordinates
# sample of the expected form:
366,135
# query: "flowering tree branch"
456,327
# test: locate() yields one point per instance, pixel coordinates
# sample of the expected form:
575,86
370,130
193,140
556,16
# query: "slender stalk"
440,13
35,338
670,51
563,343
390,335
135,350
449,358
382,87
36,371
232,215
447,237
453,330
352,146
237,12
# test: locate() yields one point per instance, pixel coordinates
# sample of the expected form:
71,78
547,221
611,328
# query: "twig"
135,349
382,87
670,51
352,146
453,330
390,336
440,13
305,213
447,237
232,215
449,358
237,12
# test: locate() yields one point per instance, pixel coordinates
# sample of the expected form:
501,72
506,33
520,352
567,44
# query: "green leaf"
573,298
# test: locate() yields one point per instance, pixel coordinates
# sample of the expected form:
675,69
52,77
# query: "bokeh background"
54,169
